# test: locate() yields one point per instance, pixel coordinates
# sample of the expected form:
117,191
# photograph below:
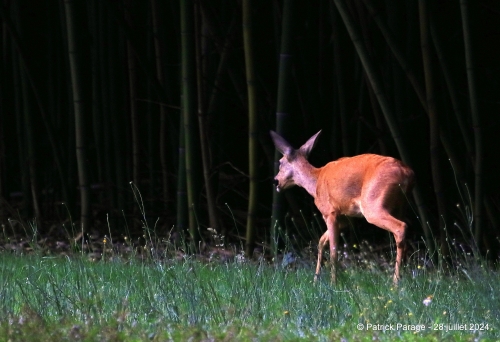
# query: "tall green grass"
147,290
57,298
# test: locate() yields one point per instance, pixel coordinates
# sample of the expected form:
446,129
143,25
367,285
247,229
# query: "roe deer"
366,185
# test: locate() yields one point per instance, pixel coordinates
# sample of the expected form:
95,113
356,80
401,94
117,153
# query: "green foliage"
76,299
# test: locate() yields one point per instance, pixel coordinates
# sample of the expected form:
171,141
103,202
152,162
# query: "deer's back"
346,184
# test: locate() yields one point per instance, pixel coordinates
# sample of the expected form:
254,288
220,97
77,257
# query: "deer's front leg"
321,245
333,237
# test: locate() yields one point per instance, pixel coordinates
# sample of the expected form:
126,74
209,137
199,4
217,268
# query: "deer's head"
292,161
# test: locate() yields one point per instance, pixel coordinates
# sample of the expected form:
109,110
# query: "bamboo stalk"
21,150
163,109
189,110
181,198
476,122
283,105
132,92
79,111
433,123
97,114
116,96
30,146
252,125
102,51
202,121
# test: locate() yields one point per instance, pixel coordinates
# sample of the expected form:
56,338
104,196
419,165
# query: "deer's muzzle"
277,184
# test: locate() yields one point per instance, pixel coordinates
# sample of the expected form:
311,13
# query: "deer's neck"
307,178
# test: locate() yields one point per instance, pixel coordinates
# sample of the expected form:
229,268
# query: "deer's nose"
276,182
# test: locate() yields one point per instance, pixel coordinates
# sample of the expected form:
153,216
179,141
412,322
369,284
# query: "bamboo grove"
117,112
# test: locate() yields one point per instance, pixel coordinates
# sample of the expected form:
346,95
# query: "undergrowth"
75,298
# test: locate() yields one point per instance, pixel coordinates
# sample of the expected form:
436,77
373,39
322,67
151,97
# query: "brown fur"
366,185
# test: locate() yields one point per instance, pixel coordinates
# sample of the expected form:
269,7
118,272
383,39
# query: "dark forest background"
110,105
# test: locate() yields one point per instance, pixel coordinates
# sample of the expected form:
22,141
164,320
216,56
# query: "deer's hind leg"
383,219
382,205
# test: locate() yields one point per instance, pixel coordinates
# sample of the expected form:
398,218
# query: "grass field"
73,298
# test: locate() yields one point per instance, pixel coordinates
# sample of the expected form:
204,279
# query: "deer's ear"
308,146
281,144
